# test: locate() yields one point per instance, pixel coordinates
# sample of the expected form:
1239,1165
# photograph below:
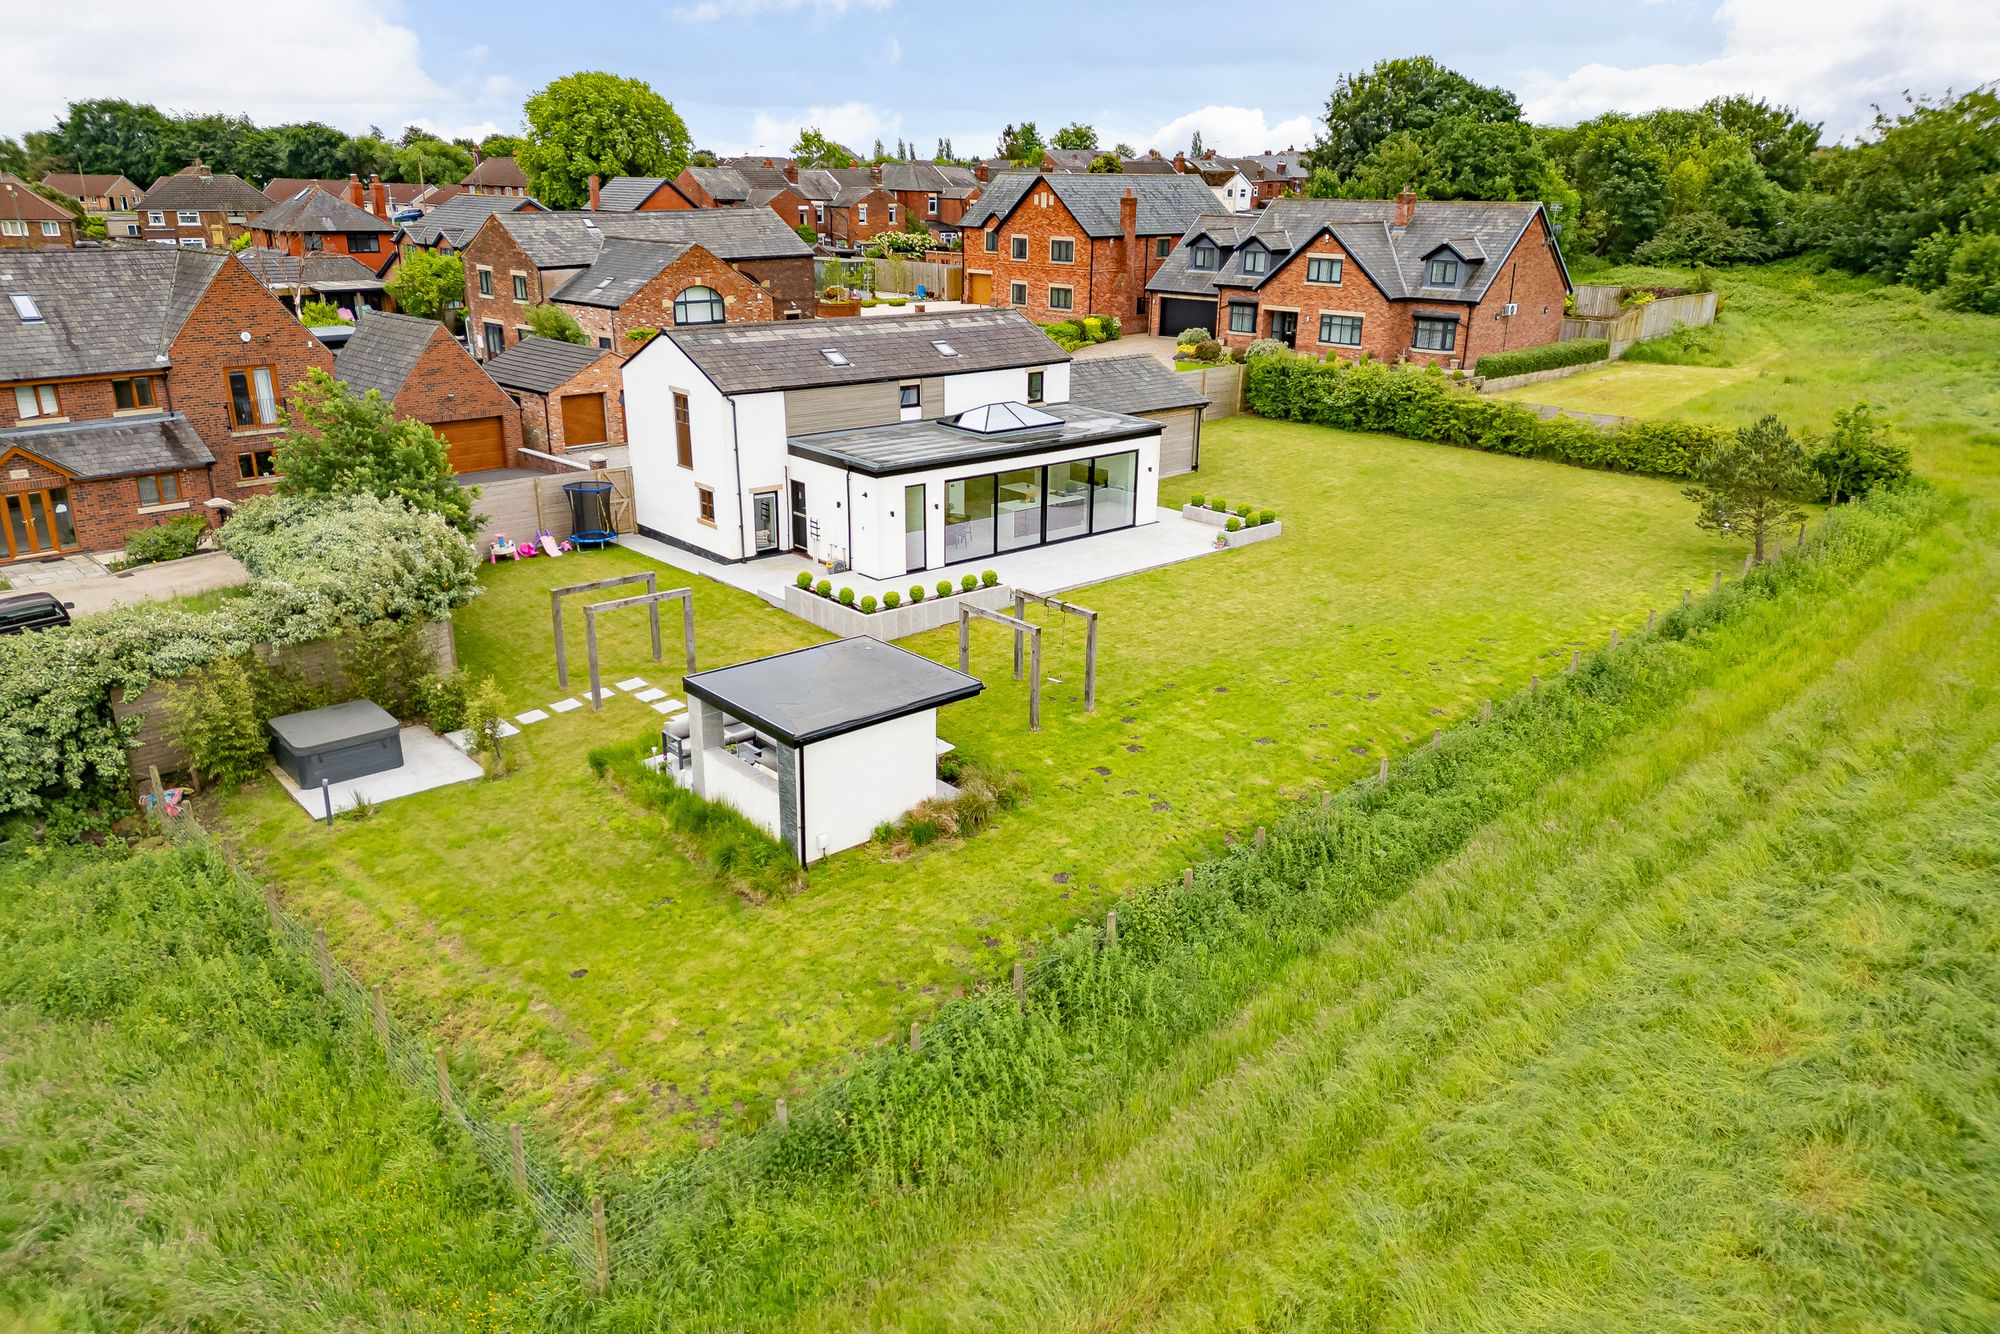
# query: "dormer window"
1443,273
1256,259
1203,256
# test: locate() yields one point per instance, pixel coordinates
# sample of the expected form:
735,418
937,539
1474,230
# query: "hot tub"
339,742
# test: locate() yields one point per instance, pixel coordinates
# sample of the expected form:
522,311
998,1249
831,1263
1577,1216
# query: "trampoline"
590,514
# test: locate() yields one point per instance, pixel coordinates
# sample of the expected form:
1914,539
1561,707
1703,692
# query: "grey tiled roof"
116,446
457,218
1146,166
314,210
1133,384
900,447
929,177
1175,277
572,240
750,358
624,194
1166,203
103,311
542,365
206,194
383,351
323,273
725,183
620,269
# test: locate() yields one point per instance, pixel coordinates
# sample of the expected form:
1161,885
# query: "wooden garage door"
978,289
474,446
1177,439
583,420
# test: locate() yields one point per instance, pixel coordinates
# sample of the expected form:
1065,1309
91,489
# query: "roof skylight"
25,307
834,356
994,418
944,349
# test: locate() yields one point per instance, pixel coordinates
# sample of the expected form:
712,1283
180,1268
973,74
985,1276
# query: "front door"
798,516
764,526
913,528
1285,327
38,523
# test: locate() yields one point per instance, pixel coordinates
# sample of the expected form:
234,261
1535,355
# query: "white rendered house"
885,446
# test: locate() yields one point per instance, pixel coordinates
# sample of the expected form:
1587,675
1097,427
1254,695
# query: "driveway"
1160,348
175,578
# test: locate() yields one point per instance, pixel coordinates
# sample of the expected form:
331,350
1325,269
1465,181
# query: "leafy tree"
1075,135
1022,144
1194,145
337,444
943,153
1752,485
321,314
306,151
366,155
702,157
813,149
1702,238
431,161
598,124
1462,158
806,233
13,157
225,143
1782,144
554,322
1973,280
1106,164
1124,150
1620,171
502,145
109,135
213,715
1859,455
1395,95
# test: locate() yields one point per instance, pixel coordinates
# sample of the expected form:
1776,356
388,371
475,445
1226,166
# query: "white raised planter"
912,618
1263,532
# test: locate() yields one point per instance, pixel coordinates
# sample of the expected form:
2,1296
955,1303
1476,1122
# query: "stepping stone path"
531,716
669,706
505,730
565,705
633,683
649,694
603,694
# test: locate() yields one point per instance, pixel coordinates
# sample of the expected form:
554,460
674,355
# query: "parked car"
22,612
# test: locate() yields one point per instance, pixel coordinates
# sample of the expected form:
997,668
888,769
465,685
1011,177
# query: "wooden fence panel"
523,506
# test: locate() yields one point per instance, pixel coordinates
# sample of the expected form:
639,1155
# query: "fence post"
1652,615
1486,711
603,1241
1614,636
443,1078
1575,659
783,1114
1749,559
1111,928
323,960
519,1153
379,1009
1718,583
1437,737
271,908
1021,985
1535,682
1258,838
1020,614
1035,684
916,1036
1382,773
159,793
1187,877
1687,597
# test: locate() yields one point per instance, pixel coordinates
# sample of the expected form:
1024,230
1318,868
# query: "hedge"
1424,405
1549,356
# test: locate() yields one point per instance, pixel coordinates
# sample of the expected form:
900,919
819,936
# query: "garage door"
583,420
474,446
978,289
1179,313
1177,441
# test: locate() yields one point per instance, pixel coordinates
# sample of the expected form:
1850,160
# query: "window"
930,205
160,489
1323,269
1062,252
912,396
835,357
892,213
252,398
132,394
1435,335
1256,259
256,463
1026,507
25,307
13,227
193,243
37,400
1062,298
1444,273
1242,318
1018,247
602,341
187,217
1203,255
494,337
805,215
704,500
1035,382
155,218
51,229
1340,330
486,282
314,243
520,287
819,213
1163,247
683,432
1017,294
364,243
861,215
992,240
698,305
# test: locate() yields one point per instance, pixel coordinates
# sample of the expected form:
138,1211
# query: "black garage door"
1179,313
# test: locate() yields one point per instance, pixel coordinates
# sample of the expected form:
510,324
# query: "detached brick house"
938,193
395,194
571,397
313,222
95,192
496,176
731,265
30,222
198,209
1401,279
136,384
429,376
1063,246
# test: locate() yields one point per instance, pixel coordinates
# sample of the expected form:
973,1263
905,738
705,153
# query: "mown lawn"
1631,389
623,999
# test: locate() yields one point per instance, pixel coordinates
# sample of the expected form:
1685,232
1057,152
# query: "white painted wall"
864,778
978,388
744,788
663,493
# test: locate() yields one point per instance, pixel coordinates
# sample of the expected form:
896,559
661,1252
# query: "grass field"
1632,389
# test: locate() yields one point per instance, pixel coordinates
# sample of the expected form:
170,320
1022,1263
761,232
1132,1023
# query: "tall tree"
1461,158
366,154
339,443
1751,486
599,124
1406,94
113,136
500,145
1620,171
1195,145
432,161
813,149
1075,135
1106,164
1782,143
1124,150
308,151
1022,144
426,282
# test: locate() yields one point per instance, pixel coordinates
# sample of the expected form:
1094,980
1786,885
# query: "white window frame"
51,228
892,213
1067,290
861,215
155,218
931,204
819,213
1017,247
805,215
193,243
13,227
187,217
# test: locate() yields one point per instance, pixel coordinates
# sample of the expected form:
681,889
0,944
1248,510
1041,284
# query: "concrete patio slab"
429,761
633,683
649,694
531,716
565,705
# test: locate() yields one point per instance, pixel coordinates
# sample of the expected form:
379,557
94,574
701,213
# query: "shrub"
1113,330
485,710
177,537
320,315
944,588
1235,525
867,604
1266,516
805,579
1195,500
1240,355
1194,337
970,582
1242,511
1208,350
1265,347
1974,281
1218,504
899,301
1859,456
846,597
1093,328
391,664
892,600
831,292
1065,331
824,588
213,717
446,701
1549,356
988,578
916,592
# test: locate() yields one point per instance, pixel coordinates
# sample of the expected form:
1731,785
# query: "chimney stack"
354,190
791,172
875,173
593,191
1128,284
1406,207
1180,162
378,197
979,171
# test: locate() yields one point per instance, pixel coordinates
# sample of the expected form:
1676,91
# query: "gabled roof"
755,358
855,192
314,210
726,184
384,350
1132,384
572,240
498,173
940,178
114,446
1146,166
280,188
1167,204
542,365
624,194
88,183
104,311
457,218
282,273
19,200
203,192
619,271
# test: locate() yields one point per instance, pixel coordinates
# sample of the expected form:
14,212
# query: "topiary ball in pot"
868,604
970,582
1266,516
944,588
805,579
1235,525
824,588
846,597
988,578
916,592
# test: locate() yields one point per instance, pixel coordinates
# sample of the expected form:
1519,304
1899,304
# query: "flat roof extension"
904,447
812,694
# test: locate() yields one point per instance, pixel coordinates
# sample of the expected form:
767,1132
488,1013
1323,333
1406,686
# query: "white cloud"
709,11
1831,59
286,63
1235,131
856,124
894,51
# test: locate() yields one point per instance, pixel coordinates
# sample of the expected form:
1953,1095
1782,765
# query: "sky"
745,74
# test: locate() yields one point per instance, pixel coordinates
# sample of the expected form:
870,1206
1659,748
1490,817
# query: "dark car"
22,612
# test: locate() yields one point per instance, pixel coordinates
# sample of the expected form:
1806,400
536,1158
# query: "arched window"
698,305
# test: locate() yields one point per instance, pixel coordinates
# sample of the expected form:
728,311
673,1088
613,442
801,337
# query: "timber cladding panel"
836,407
524,506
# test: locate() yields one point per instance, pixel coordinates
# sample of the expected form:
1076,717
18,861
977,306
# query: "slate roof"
205,193
1145,166
624,194
314,210
1132,384
114,446
572,240
1167,204
19,200
619,271
753,358
321,273
811,694
916,446
457,218
498,173
104,310
725,183
542,365
1393,259
1072,159
383,351
942,179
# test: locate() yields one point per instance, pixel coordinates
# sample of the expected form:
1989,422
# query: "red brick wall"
789,281
787,203
80,400
35,240
493,247
1532,280
215,228
652,306
1098,275
447,385
331,243
103,512
844,223
541,415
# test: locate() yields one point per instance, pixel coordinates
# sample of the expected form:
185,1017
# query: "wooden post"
562,655
1020,614
1749,559
1652,615
379,1011
323,960
1486,711
271,909
1258,838
1718,582
1614,636
783,1114
1187,877
443,1078
159,792
1687,597
1801,545
1090,664
1575,659
653,615
1535,681
1111,928
687,632
1021,985
519,1153
1035,683
590,637
1382,772
1437,737
603,1241
916,1036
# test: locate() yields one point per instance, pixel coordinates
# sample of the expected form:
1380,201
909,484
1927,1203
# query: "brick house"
640,194
30,222
518,260
314,222
449,227
495,176
136,384
571,397
198,209
859,211
395,194
1402,279
95,192
638,285
1062,246
429,376
339,280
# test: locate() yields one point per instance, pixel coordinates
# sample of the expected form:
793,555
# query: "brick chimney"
1180,162
979,171
769,163
1406,207
378,197
1133,278
875,173
593,191
354,191
791,171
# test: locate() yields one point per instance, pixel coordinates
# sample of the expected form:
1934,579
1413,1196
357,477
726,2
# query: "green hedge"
1575,352
1424,405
